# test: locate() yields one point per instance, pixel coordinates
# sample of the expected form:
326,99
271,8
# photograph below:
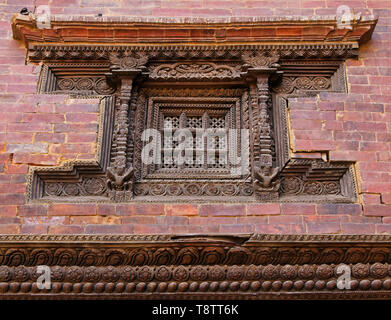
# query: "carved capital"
119,177
128,60
261,59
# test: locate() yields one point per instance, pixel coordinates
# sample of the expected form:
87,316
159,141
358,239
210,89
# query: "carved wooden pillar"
266,184
125,67
119,176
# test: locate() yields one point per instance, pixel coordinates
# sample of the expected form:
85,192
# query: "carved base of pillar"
266,195
120,196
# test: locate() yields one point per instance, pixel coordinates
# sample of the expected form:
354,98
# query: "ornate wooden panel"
211,77
216,86
196,89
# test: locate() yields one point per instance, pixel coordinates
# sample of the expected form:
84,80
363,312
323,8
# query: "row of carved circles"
289,84
191,256
295,185
190,287
97,84
193,189
89,186
193,273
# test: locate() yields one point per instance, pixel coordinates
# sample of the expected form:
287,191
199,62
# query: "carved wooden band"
166,267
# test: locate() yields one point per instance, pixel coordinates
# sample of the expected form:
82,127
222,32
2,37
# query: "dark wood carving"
195,266
224,87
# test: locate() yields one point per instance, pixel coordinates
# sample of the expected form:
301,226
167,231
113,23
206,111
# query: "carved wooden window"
215,84
208,115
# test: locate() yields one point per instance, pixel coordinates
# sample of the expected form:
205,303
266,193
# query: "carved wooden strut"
119,176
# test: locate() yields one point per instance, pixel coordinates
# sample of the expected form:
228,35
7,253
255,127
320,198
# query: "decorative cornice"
195,266
260,239
192,30
93,52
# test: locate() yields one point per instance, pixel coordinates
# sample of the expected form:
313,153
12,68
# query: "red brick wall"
48,129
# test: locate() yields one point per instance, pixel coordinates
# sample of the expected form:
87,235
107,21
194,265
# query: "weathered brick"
386,198
66,230
298,209
12,188
8,211
36,159
19,137
80,137
263,209
12,199
181,210
140,209
34,229
381,210
83,220
371,198
236,228
46,220
138,220
222,210
43,118
81,117
58,209
9,229
109,228
340,208
285,219
171,220
32,210
24,148
50,137
150,229
105,209
358,228
383,228
323,228
185,229
279,228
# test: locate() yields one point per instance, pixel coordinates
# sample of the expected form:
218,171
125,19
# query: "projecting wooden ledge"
122,29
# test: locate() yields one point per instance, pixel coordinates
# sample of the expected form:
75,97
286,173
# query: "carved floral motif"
97,84
195,70
290,84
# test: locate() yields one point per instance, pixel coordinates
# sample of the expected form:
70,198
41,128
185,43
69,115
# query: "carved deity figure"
265,178
120,183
